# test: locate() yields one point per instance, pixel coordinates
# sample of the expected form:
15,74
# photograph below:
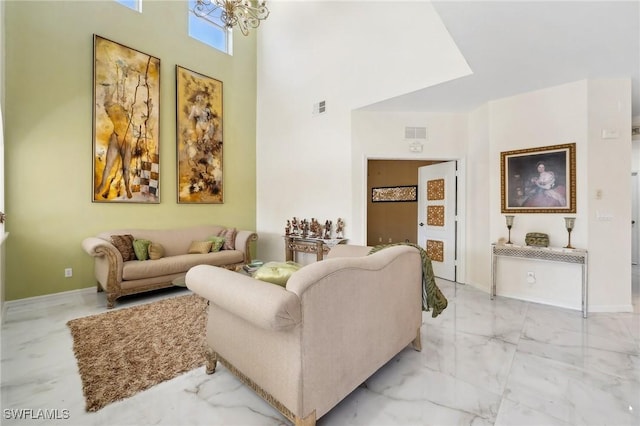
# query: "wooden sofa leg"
417,342
211,359
310,420
111,300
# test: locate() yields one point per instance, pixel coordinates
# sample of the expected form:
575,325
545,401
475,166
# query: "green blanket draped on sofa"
432,297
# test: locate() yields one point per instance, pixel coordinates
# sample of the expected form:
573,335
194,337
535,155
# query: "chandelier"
242,13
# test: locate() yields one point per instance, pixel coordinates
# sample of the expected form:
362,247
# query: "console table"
545,254
319,246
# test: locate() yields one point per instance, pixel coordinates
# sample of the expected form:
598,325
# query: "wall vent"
415,133
319,108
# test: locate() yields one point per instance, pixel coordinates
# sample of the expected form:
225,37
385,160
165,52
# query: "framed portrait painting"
539,180
199,137
126,115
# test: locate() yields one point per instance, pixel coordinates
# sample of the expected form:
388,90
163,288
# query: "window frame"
215,24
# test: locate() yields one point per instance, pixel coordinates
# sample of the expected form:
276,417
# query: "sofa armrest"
243,243
108,261
263,304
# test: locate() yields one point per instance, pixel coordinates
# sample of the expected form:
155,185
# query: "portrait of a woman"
538,180
543,191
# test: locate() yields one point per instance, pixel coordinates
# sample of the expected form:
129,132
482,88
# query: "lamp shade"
569,222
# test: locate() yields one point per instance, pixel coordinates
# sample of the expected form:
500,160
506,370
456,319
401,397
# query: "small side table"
319,246
545,254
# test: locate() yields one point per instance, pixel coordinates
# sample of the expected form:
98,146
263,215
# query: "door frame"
461,239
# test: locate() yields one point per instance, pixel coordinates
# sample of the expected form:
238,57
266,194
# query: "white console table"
548,254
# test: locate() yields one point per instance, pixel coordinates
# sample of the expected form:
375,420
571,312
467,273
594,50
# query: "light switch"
610,134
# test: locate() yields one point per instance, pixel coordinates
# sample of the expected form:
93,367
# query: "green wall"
48,61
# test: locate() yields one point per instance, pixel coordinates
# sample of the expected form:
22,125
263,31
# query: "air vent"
415,133
319,108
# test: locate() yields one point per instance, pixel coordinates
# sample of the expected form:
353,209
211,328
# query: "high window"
209,29
132,4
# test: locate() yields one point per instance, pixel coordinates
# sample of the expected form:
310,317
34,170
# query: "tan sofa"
119,278
305,347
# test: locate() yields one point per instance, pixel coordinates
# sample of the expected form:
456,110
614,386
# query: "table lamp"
509,219
569,222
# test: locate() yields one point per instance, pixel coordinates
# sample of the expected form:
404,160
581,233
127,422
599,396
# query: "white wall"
315,166
609,195
479,177
553,116
381,135
333,51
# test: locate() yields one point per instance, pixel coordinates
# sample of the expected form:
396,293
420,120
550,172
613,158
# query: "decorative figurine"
315,228
327,230
287,229
340,228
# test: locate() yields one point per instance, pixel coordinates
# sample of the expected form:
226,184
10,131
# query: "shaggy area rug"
123,352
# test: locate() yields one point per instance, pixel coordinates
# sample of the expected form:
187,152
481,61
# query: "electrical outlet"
389,240
531,277
68,272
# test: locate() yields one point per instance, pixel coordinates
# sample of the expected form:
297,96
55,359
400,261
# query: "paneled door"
437,216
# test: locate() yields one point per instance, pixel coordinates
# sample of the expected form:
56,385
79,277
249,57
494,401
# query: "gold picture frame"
126,130
199,138
539,180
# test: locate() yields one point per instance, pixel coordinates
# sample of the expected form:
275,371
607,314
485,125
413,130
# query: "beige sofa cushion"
265,305
200,247
174,241
156,251
136,270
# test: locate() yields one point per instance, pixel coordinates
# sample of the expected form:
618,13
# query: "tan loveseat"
119,278
305,347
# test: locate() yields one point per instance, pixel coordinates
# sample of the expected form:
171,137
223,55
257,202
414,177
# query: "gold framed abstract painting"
126,116
539,180
199,137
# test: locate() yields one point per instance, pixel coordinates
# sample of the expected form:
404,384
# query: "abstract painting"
126,115
199,137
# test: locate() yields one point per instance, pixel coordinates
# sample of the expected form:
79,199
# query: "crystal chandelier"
242,13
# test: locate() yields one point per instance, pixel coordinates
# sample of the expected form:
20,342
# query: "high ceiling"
515,47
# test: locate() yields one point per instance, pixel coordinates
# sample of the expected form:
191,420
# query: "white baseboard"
45,298
611,308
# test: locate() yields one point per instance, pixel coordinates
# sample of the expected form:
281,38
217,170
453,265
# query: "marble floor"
483,362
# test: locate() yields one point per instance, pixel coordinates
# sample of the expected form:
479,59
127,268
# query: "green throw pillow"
218,242
141,247
276,272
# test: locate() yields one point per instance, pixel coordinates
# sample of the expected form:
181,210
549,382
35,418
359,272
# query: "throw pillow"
229,238
217,242
156,251
141,248
200,247
124,244
276,272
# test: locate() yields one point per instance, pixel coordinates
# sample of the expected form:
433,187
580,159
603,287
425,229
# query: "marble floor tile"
483,362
